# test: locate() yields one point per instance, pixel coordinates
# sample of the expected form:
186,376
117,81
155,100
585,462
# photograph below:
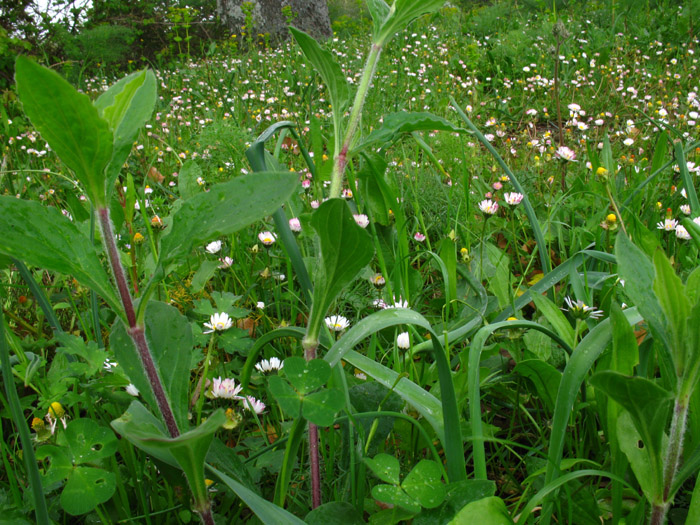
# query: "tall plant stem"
310,344
673,457
136,331
340,159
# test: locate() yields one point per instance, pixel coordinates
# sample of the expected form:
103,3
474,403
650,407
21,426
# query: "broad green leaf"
424,484
486,511
402,13
385,467
394,495
267,511
638,273
692,350
330,71
345,249
625,354
170,338
285,395
458,495
648,405
686,178
555,317
126,106
188,451
201,277
69,122
396,124
670,293
321,407
41,236
224,209
93,356
187,179
334,513
544,376
306,376
378,10
86,488
631,444
378,195
692,286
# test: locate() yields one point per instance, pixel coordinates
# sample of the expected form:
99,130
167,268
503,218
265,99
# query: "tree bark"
269,17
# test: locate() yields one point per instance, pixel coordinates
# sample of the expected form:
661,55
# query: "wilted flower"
580,310
378,279
214,247
56,413
226,262
253,405
403,341
267,238
218,323
361,219
488,206
225,388
268,365
295,224
513,198
337,323
682,233
132,390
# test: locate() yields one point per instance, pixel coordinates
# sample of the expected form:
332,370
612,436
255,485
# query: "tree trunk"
272,17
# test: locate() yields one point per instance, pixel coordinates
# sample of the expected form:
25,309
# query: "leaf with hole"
84,444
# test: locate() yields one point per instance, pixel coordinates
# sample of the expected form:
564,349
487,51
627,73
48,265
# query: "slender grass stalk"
40,510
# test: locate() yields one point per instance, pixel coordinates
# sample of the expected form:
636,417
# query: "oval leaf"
224,209
69,122
42,236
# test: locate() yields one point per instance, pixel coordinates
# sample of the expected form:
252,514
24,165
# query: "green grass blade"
267,512
42,514
39,295
687,180
474,387
581,361
563,480
452,437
